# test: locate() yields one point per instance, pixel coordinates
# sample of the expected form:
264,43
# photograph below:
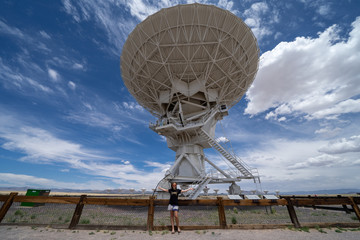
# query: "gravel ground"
31,233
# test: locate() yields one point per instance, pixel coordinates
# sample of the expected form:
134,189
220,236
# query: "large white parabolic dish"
199,53
188,65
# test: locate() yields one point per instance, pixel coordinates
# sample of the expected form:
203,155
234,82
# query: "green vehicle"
35,192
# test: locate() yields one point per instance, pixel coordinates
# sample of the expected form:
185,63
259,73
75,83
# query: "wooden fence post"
355,207
292,213
221,210
150,220
77,213
7,204
346,209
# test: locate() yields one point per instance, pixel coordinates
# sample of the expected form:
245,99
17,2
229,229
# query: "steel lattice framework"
189,49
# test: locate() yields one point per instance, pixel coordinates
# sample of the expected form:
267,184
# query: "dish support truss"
188,139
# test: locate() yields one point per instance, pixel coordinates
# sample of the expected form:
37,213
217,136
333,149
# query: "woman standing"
174,204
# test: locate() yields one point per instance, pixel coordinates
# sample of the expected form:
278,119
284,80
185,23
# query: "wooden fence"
289,201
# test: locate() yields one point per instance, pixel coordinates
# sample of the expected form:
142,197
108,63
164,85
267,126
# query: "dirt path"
32,233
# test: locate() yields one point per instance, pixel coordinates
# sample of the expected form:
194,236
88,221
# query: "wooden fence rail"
289,201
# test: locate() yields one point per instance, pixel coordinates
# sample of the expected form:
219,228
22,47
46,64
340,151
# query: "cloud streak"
323,160
343,145
23,180
12,79
113,17
108,16
40,146
12,31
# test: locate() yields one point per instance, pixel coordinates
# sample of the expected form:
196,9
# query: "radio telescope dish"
187,65
200,52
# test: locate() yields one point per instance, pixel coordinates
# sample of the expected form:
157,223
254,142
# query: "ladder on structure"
236,162
200,184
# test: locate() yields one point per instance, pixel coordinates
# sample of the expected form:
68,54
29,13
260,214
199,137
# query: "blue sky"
67,120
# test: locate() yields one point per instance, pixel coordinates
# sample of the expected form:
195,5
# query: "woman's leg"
176,213
172,220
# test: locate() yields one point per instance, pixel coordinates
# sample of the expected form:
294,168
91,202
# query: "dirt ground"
32,233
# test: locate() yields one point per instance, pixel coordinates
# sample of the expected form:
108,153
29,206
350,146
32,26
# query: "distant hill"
319,192
112,191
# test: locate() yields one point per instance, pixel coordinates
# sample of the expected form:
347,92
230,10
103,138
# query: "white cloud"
324,10
27,39
285,152
328,130
40,146
141,10
281,110
222,140
162,138
4,28
271,115
88,106
228,5
54,75
113,118
282,119
108,15
27,75
316,76
67,62
78,66
71,85
343,145
293,165
320,6
257,8
11,78
255,19
347,106
23,180
45,34
252,22
277,35
323,160
288,155
159,166
70,9
132,106
125,162
95,119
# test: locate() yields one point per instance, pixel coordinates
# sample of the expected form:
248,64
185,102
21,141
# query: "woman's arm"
187,190
163,189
